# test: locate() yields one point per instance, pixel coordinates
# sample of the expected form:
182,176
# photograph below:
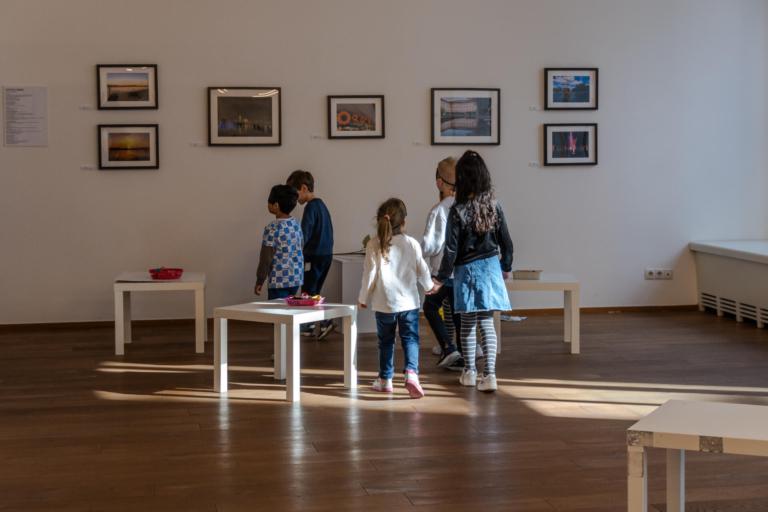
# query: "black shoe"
448,359
457,366
326,328
308,330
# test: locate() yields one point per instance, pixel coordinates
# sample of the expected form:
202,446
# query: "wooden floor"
82,429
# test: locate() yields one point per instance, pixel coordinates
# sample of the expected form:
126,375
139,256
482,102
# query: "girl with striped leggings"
478,252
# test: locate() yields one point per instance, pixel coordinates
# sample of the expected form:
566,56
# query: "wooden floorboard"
82,429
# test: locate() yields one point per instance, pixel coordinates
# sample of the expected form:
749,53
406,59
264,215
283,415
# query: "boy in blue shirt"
317,228
281,260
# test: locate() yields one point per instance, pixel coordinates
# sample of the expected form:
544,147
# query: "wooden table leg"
675,480
279,349
200,330
293,366
567,316
220,367
637,479
350,351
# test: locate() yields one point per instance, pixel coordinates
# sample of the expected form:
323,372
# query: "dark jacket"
463,245
317,228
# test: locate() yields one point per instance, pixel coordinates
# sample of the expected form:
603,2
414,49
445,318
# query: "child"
477,237
393,267
318,241
281,260
432,245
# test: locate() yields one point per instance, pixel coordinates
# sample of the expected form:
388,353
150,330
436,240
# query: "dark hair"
389,220
285,196
299,178
474,188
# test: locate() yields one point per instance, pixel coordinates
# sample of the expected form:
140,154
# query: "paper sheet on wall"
25,116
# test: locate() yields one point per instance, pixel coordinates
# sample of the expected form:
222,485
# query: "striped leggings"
471,323
450,328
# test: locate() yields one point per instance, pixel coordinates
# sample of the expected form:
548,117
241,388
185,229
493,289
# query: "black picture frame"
440,139
592,146
153,149
379,132
276,116
106,100
549,90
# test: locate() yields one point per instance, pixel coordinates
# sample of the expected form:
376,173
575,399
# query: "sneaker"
326,328
448,359
468,377
487,383
436,350
383,385
412,384
457,366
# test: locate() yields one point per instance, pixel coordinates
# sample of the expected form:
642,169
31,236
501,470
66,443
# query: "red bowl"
294,301
164,273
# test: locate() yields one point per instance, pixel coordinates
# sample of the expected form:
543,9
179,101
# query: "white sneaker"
436,350
487,383
468,377
382,385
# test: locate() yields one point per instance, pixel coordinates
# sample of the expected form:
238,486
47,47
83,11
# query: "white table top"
710,419
144,277
546,282
749,250
350,258
263,310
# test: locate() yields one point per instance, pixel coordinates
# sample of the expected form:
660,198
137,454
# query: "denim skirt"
479,286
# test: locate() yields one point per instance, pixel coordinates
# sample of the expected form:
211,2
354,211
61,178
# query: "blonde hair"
389,220
446,171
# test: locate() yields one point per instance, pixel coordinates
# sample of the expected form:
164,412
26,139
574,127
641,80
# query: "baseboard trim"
14,328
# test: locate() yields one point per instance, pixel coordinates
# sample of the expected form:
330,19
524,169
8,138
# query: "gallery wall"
682,135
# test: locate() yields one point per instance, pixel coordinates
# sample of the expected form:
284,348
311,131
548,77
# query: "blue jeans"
281,293
407,322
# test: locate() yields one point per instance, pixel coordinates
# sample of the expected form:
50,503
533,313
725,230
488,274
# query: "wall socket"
658,273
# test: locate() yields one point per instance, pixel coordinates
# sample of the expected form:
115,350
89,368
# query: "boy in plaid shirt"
281,259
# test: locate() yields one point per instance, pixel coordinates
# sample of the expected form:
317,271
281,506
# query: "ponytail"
389,220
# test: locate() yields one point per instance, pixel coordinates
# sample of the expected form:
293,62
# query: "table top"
350,258
710,419
546,281
749,250
263,310
144,277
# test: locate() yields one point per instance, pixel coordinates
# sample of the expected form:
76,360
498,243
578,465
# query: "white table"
287,339
128,282
681,425
350,274
564,283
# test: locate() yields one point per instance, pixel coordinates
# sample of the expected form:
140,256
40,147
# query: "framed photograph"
465,116
570,144
356,117
570,88
244,116
128,146
127,86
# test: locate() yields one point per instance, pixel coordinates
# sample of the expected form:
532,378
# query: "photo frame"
356,117
465,116
570,144
128,146
126,86
244,116
571,88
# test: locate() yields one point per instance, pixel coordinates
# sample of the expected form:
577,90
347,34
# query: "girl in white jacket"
393,269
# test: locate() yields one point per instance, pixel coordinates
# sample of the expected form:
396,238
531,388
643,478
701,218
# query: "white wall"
682,130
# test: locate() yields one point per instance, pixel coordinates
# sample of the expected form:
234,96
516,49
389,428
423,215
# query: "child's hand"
361,305
436,287
257,289
506,275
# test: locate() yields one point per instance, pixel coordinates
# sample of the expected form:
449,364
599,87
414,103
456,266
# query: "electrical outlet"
667,273
650,273
658,273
